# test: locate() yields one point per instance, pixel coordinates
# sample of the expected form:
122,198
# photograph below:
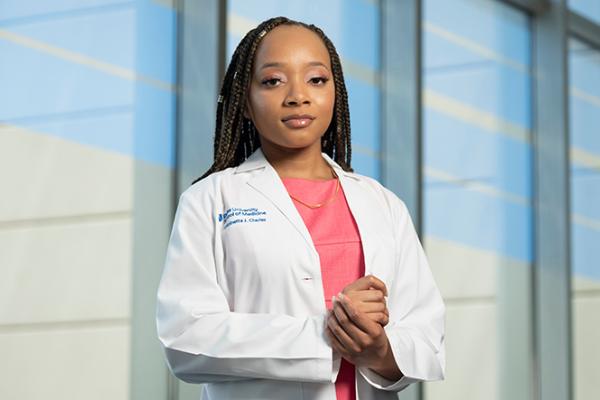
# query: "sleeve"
417,311
204,341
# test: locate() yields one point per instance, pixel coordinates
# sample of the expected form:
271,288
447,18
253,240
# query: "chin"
295,145
296,142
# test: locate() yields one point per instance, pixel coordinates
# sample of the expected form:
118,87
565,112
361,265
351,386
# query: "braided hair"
236,136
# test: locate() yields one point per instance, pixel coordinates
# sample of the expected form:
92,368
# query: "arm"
417,312
204,341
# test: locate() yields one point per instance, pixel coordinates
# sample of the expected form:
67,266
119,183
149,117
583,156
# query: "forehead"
291,44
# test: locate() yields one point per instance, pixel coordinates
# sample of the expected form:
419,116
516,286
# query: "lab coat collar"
271,186
258,160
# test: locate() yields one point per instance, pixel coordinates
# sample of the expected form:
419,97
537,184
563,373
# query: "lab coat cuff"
328,364
379,382
407,359
404,357
336,363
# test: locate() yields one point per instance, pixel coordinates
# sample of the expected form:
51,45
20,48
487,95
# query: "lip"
296,121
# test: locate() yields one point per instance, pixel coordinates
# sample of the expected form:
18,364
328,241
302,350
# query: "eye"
319,80
271,82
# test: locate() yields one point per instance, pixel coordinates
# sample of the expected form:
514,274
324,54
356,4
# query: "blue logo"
236,215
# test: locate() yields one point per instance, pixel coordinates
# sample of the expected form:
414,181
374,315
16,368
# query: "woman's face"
292,91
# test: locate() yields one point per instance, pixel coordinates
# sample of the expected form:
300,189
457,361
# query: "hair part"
236,137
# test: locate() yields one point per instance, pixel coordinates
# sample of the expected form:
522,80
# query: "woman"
279,225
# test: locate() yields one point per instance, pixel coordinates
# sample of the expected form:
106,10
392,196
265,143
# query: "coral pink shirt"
337,240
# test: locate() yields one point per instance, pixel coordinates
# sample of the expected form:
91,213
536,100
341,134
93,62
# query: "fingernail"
341,296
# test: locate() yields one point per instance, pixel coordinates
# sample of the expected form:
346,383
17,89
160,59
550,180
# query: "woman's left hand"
360,340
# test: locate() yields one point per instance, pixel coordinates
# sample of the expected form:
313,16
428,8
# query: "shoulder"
391,200
209,184
206,191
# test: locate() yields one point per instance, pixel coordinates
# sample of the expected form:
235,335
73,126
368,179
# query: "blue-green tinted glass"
477,192
353,27
584,102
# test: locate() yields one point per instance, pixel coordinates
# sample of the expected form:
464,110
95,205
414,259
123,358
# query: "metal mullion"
531,6
584,29
401,132
401,102
552,295
202,65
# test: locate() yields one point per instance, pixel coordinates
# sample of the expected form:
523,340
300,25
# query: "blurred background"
483,115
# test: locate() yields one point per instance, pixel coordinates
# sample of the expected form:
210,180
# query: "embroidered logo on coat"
236,215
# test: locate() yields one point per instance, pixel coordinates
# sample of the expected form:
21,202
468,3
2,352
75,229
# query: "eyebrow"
279,64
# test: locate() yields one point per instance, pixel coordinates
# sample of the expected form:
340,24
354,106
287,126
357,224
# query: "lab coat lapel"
270,185
361,206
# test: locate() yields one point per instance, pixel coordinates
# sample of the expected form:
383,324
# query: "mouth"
297,121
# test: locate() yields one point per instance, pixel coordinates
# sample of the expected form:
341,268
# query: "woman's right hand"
368,294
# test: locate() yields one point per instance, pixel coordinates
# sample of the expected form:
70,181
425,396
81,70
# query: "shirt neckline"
309,180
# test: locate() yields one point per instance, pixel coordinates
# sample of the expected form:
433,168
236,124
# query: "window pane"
477,192
587,8
87,89
353,27
585,216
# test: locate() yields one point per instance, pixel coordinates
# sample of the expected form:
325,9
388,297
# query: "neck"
306,163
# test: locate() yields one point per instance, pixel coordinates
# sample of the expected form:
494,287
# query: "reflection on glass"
585,216
86,109
477,193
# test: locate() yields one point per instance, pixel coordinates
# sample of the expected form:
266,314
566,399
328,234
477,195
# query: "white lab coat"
241,305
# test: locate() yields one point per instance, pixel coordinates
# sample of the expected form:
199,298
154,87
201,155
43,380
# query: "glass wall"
477,192
584,102
353,27
87,160
86,95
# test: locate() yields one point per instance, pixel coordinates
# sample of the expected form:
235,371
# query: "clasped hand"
355,324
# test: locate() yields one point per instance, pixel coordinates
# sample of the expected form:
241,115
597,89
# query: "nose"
296,94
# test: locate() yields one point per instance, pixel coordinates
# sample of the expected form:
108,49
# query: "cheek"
326,99
263,107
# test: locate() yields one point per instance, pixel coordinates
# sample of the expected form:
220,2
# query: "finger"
340,332
369,307
352,330
335,342
371,295
360,320
381,318
375,311
386,319
378,284
337,346
366,282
